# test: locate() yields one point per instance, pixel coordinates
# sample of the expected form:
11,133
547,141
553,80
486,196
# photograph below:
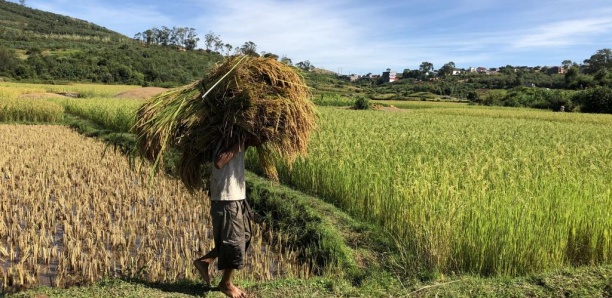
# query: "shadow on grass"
183,287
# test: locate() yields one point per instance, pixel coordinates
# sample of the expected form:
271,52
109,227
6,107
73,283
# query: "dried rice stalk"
242,98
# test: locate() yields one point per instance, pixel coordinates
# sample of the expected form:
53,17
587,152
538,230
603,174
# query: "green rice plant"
10,90
76,90
30,110
411,104
486,191
330,99
115,114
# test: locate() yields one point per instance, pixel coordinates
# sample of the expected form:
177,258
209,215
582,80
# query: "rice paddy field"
485,191
463,189
73,211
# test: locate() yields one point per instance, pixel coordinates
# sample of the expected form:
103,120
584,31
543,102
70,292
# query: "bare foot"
202,266
232,291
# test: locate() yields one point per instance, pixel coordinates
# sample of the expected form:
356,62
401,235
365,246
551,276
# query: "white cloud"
564,33
364,36
319,31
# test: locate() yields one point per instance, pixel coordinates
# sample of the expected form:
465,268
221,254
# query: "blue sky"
360,36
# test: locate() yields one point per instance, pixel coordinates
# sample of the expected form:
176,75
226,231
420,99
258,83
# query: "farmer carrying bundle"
244,99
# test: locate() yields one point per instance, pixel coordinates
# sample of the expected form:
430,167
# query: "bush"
362,103
595,100
538,98
493,98
473,96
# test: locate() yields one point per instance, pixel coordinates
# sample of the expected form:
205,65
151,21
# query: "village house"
389,76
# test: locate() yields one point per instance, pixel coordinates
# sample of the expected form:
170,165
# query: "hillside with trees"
38,46
585,87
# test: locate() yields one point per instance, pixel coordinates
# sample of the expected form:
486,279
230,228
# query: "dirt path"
141,93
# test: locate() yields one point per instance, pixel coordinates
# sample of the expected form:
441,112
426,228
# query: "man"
231,218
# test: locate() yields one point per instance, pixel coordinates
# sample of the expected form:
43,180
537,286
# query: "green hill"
22,26
41,46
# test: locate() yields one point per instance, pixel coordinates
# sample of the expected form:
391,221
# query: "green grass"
331,241
580,282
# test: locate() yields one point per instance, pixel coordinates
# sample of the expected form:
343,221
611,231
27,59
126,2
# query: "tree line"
182,37
127,63
188,39
594,71
586,86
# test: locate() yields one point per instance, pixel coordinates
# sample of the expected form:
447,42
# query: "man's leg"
227,287
232,247
203,265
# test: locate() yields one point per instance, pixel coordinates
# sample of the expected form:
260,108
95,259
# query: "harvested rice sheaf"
243,98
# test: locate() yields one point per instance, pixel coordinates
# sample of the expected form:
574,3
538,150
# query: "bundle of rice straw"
242,98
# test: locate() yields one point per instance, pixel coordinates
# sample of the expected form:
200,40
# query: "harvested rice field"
73,211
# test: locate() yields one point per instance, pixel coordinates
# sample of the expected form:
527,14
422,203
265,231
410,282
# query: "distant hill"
323,71
21,25
41,46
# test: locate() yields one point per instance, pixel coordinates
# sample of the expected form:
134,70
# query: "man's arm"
226,155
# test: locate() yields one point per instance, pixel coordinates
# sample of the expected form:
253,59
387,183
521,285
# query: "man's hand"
226,155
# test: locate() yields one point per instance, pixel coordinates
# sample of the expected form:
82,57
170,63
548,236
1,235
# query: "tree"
508,69
595,100
191,41
567,64
209,40
414,74
175,37
270,55
22,2
603,77
571,75
447,69
519,79
178,36
8,60
286,60
164,36
228,48
425,68
305,65
218,44
139,36
249,48
473,96
148,36
602,59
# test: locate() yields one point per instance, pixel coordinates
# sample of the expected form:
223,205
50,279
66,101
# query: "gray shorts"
232,232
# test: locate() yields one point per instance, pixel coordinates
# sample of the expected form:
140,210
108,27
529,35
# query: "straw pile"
243,98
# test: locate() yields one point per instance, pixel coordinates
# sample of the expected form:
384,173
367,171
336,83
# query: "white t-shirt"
227,183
